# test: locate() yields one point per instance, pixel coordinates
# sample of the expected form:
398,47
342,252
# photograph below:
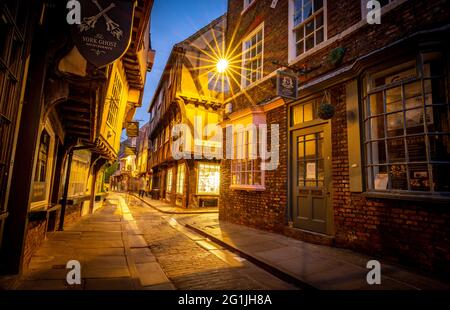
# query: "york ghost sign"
104,32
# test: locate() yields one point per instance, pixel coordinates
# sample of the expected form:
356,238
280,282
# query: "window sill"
249,188
436,198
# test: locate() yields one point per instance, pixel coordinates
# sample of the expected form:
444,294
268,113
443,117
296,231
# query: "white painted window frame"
247,38
247,4
239,154
292,49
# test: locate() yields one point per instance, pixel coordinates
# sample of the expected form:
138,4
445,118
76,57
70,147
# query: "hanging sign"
287,85
129,151
104,32
132,129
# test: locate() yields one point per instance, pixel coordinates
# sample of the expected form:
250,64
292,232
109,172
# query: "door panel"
310,178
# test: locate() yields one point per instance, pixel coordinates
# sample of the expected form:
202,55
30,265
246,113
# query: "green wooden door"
311,178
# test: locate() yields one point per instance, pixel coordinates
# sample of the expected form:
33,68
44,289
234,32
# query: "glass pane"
257,177
300,48
308,112
434,91
440,178
320,170
299,33
301,150
318,4
417,150
309,44
310,149
394,99
309,28
438,119
413,95
376,104
419,178
301,173
378,152
395,124
397,175
297,114
414,121
307,9
396,150
320,148
319,20
377,127
440,147
319,36
379,179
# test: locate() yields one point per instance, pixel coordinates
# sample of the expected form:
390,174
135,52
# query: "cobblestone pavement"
192,262
128,245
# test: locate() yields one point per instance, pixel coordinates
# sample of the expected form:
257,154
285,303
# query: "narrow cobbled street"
128,245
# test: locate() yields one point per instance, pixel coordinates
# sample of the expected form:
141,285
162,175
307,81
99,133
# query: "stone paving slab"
111,250
317,266
151,274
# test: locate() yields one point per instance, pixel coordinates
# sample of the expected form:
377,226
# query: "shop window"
407,127
78,177
208,182
41,165
308,25
252,57
181,173
246,166
169,177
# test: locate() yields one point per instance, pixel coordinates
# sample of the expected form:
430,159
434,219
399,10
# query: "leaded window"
407,127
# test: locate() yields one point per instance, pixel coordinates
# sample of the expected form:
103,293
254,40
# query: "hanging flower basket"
326,109
336,56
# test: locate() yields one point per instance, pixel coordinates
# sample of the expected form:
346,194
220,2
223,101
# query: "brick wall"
34,238
410,232
265,209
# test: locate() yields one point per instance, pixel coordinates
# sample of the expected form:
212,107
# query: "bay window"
246,166
407,127
307,25
252,57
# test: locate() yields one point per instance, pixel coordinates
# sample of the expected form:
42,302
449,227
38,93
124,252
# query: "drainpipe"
66,183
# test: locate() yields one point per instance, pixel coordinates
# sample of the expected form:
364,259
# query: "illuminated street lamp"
222,65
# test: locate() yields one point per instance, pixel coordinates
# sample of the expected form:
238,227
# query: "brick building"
364,149
188,93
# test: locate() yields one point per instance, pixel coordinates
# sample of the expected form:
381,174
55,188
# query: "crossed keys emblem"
111,26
